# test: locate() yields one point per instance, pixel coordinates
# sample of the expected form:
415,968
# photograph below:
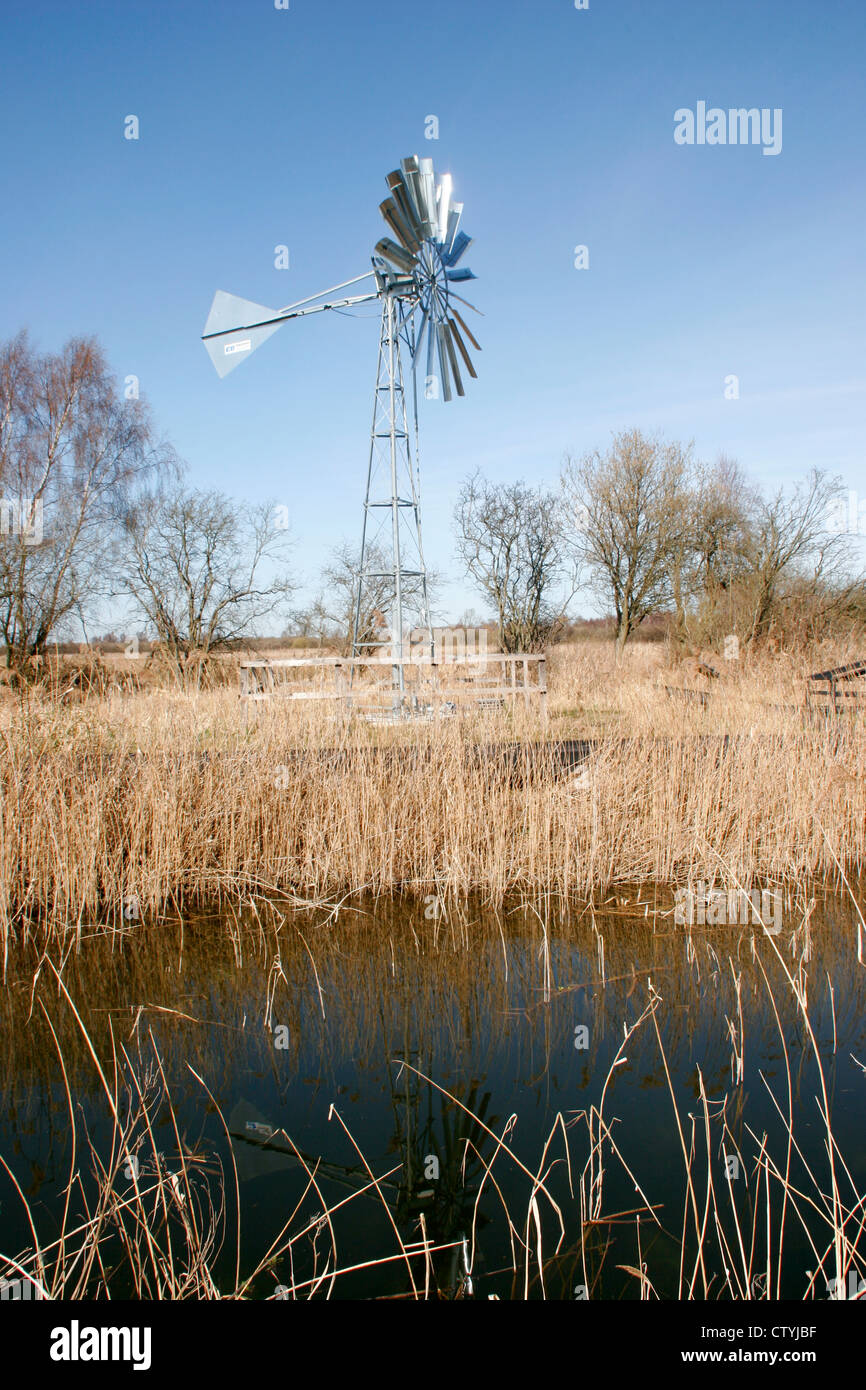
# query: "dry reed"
121,807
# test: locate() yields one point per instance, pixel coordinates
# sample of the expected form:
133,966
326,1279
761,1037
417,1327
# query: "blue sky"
261,127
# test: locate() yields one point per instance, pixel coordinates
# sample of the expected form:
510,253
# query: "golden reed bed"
117,807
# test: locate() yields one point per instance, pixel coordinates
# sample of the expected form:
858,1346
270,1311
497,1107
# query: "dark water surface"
299,1022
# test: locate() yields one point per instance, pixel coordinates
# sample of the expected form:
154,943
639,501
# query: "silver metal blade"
395,254
452,359
460,246
466,329
409,173
453,223
415,185
420,339
405,203
427,219
455,334
428,185
454,295
228,317
443,206
443,362
431,342
399,226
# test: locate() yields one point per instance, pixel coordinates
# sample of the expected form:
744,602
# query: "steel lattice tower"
392,511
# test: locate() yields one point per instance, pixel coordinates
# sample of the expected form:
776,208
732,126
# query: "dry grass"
125,804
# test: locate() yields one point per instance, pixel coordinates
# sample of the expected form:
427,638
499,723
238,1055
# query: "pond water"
459,1057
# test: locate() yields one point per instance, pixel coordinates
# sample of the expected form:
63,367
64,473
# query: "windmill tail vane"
236,327
416,272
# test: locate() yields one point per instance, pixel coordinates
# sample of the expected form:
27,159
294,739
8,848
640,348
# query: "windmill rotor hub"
431,281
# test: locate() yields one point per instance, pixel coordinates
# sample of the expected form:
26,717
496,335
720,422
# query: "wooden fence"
433,686
839,690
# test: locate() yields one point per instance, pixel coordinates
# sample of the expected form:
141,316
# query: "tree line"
95,508
653,530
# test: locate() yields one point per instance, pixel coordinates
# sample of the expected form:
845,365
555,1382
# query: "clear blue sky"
261,126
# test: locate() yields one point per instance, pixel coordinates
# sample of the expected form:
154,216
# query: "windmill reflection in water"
441,1139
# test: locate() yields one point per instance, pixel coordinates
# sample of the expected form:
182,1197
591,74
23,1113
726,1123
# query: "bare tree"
724,509
70,449
658,530
630,515
193,562
340,592
331,616
510,540
313,625
711,555
792,543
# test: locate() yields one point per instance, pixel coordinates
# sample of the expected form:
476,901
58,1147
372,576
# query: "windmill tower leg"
391,549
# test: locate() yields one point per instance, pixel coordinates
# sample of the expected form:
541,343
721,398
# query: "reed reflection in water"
387,1101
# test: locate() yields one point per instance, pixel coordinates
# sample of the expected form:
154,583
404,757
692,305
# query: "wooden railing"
839,690
431,684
